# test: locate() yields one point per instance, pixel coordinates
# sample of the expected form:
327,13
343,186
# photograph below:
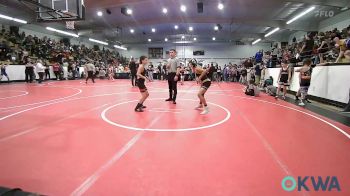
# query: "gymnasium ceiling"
241,20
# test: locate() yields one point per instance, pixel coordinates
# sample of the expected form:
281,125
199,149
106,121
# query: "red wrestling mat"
69,138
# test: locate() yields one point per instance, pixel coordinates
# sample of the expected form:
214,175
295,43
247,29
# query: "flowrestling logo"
311,183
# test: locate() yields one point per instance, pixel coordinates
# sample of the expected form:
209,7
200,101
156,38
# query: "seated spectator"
344,49
251,89
268,82
102,74
271,90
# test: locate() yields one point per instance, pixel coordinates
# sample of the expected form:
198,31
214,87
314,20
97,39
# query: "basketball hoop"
70,25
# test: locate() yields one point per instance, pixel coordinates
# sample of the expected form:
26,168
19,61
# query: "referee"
173,68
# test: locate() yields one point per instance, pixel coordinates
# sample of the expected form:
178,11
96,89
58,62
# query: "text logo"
323,13
313,183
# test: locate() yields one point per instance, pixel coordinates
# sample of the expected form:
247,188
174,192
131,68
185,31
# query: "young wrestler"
202,77
141,78
305,79
284,79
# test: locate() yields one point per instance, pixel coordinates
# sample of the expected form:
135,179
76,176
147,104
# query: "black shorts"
206,85
283,82
141,85
3,73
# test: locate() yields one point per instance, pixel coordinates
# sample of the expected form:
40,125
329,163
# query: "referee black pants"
90,75
172,86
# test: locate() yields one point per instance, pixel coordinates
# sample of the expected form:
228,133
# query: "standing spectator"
73,65
324,47
47,71
3,70
40,69
307,48
257,73
29,71
219,73
89,71
110,72
212,71
133,70
259,56
150,72
159,71
243,78
56,70
226,73
165,72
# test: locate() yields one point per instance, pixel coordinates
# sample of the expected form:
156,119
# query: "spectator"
251,89
102,74
29,70
257,73
133,70
56,70
3,70
259,56
307,48
47,71
344,48
243,73
89,71
150,72
40,69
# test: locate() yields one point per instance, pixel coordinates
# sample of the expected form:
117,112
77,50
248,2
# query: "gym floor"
72,138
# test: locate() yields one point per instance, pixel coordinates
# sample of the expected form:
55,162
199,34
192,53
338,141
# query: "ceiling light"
195,39
176,27
132,30
98,41
99,13
153,30
220,6
13,19
166,39
190,28
183,37
149,40
216,28
62,32
120,47
129,11
301,14
256,41
165,10
272,32
213,38
183,8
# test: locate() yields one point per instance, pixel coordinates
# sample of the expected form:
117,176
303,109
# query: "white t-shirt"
39,67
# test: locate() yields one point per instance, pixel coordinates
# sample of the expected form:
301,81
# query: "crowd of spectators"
322,47
19,48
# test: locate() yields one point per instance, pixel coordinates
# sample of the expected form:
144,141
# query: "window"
155,53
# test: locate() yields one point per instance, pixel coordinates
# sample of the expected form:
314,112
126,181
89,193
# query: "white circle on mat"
103,116
24,93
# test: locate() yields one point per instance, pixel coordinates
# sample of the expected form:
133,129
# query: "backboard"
60,10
